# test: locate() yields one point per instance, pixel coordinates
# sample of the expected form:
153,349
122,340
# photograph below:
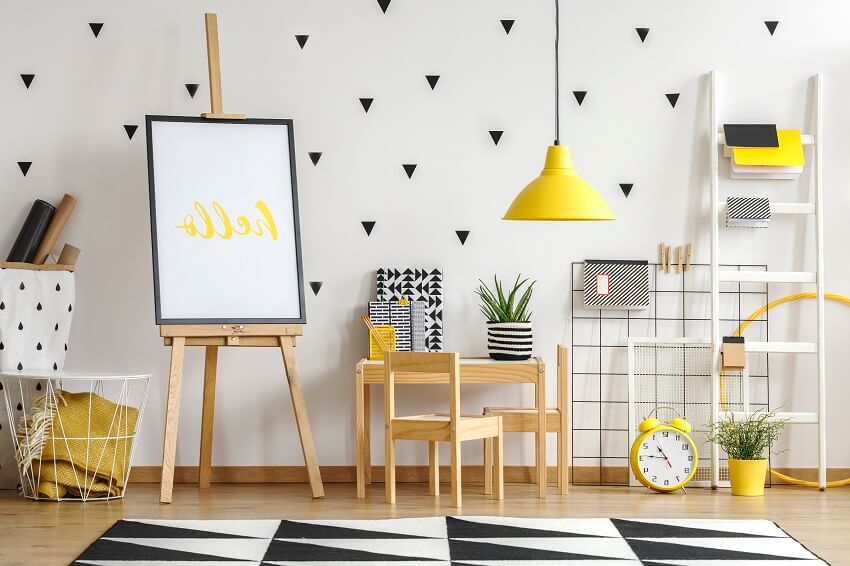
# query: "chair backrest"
563,372
436,366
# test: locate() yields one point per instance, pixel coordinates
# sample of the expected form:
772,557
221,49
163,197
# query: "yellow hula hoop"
753,316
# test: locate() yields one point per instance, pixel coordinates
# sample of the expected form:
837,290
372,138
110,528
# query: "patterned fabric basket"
36,309
509,340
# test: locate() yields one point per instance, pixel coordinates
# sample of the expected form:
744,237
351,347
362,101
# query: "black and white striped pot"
509,340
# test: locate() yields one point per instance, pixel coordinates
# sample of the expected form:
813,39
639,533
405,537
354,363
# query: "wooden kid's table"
472,370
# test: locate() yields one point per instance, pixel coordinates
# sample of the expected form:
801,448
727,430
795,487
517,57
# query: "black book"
751,135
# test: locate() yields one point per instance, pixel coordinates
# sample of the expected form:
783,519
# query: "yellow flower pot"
747,477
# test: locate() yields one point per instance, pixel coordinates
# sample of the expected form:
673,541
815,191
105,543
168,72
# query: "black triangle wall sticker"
462,235
673,98
626,188
579,94
432,80
642,33
384,4
409,168
771,26
191,88
130,129
368,225
25,166
316,286
315,156
507,24
95,28
496,136
27,78
302,40
366,103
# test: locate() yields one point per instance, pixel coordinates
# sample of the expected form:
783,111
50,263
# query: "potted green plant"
746,442
509,334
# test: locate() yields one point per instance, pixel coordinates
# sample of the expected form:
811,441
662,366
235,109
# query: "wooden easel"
214,336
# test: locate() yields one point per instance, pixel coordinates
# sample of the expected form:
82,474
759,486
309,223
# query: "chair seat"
524,419
437,426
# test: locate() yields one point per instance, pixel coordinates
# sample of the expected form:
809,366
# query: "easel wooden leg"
360,432
172,416
540,394
207,417
287,347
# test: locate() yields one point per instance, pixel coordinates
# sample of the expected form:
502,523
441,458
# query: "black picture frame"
302,319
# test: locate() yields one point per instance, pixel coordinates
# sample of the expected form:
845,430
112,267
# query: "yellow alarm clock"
663,457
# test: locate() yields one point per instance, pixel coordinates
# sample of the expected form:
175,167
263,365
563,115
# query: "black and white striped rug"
447,541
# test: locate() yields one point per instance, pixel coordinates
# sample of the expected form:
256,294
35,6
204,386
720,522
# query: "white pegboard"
674,376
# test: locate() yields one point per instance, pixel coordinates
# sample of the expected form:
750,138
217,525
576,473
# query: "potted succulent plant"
746,442
508,318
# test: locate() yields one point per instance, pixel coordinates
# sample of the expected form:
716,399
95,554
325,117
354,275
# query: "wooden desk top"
472,370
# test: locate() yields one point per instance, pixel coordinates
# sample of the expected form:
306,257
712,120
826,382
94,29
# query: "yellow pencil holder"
387,334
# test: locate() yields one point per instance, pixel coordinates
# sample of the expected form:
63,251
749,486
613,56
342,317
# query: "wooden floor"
46,533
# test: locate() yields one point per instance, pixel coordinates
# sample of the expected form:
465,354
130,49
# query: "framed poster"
224,221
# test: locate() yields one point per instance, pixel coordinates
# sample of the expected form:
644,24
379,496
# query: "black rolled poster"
32,232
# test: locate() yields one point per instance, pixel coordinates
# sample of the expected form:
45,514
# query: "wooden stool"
522,419
452,428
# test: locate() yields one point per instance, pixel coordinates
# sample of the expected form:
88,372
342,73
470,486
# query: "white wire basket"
74,435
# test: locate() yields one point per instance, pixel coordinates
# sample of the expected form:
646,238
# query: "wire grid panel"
674,377
73,436
680,307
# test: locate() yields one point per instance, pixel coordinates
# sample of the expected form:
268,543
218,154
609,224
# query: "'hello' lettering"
207,229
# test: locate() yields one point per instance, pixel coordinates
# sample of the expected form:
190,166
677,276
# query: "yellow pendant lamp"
558,193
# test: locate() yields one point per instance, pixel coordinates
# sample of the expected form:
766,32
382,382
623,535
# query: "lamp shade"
559,193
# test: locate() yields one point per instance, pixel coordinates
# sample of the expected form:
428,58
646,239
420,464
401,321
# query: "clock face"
665,458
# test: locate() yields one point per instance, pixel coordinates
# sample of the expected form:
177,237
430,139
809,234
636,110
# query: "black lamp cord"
557,69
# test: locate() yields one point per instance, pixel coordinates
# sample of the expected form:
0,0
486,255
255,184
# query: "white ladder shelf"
717,142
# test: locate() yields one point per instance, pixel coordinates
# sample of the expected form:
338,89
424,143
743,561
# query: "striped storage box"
509,340
616,284
747,212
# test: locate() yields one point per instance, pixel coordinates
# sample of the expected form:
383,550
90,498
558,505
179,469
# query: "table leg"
367,433
172,416
540,396
360,432
488,466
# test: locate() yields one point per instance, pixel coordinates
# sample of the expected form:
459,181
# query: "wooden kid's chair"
452,428
522,419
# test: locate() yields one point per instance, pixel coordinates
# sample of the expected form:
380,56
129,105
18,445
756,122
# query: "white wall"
69,123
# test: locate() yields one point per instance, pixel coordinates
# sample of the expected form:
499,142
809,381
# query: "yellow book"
788,154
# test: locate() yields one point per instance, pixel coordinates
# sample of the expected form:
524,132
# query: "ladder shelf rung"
768,276
791,418
782,347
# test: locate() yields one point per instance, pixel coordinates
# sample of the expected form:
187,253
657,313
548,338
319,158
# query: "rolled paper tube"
69,255
32,232
54,229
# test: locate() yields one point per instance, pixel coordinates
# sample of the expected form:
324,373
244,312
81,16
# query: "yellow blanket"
86,451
